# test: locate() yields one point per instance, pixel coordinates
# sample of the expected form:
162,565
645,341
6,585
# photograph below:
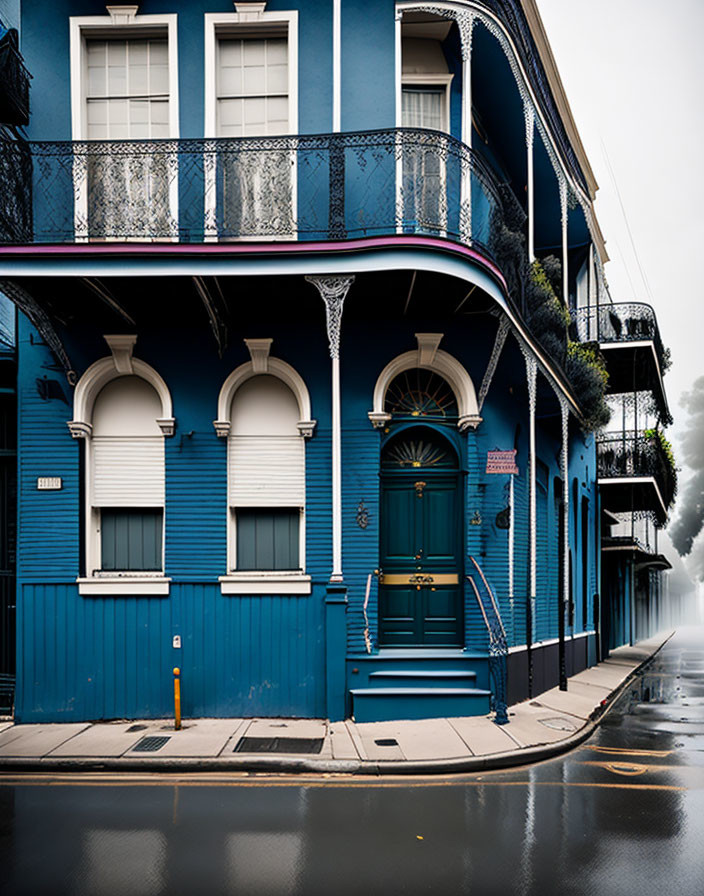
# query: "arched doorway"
421,557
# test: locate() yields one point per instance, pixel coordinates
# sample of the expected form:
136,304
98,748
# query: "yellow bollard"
177,698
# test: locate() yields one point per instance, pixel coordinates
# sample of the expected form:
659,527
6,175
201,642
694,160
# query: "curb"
354,767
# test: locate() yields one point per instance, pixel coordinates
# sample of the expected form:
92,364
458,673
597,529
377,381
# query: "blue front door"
420,599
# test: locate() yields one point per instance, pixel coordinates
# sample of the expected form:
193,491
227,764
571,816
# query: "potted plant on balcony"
664,463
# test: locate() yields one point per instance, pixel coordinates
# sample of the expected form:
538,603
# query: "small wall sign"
502,462
49,483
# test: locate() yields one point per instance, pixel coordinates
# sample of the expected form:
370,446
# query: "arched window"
262,415
427,382
122,409
421,393
127,472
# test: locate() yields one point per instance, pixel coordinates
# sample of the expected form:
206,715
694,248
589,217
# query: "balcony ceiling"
625,494
633,367
500,113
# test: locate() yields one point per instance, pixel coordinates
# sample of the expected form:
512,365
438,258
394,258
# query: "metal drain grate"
150,744
279,745
386,742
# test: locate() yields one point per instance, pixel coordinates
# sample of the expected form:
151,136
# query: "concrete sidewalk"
551,723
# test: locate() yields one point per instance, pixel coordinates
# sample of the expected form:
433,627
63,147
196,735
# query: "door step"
431,678
382,704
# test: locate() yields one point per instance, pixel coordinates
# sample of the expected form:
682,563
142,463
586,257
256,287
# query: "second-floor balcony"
305,188
635,473
629,338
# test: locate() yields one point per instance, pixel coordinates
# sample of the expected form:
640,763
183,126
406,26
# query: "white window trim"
438,361
81,28
220,22
98,375
275,582
418,79
139,585
263,581
241,22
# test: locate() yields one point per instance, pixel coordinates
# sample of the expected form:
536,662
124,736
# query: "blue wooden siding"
91,658
196,500
360,546
47,540
112,657
95,658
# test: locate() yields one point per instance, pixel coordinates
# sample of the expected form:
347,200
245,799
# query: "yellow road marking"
623,751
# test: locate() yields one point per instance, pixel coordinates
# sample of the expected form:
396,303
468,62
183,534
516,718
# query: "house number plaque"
49,483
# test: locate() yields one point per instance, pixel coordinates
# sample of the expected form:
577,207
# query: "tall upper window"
251,78
425,85
252,86
124,86
127,89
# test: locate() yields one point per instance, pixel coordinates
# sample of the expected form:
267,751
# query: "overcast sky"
633,71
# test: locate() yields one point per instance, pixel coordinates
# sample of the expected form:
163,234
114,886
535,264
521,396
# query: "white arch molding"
428,357
272,367
99,374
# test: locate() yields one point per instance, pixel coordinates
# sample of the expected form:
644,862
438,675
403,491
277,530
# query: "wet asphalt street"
622,814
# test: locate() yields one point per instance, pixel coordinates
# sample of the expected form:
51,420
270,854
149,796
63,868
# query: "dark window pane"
267,539
131,539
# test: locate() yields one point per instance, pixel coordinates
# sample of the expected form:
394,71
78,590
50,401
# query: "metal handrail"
325,186
498,645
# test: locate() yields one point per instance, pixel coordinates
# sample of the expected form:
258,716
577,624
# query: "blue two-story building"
302,408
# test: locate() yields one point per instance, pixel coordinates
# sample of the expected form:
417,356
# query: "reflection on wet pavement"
623,814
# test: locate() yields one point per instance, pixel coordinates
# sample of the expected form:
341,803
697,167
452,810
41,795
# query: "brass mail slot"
420,578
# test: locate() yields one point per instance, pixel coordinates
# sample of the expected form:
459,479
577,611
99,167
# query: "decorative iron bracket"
36,315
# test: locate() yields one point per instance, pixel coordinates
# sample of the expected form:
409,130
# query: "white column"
511,536
399,120
336,66
565,414
530,136
466,28
333,291
563,215
532,377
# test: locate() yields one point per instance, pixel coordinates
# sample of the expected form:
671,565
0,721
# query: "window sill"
265,583
138,585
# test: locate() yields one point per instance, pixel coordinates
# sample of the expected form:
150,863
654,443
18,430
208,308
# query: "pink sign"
502,462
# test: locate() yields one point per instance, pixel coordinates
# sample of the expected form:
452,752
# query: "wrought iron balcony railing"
630,454
14,82
334,186
622,322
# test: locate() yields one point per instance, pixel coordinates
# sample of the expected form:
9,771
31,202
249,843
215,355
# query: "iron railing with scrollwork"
630,454
620,322
14,82
332,186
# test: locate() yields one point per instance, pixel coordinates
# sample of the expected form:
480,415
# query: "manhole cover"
386,742
150,744
558,724
136,728
279,745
